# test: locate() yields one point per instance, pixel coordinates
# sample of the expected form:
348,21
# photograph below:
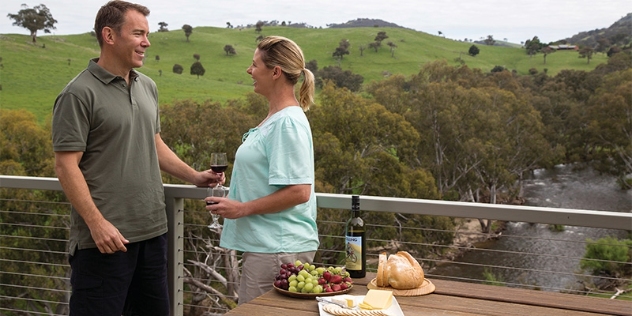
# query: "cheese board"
393,310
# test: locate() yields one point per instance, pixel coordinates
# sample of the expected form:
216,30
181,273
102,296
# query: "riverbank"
468,234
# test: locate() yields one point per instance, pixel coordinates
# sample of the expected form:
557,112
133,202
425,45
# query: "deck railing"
54,297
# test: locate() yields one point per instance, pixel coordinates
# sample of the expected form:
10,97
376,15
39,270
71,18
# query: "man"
108,157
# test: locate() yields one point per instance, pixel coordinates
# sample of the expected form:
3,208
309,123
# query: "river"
546,258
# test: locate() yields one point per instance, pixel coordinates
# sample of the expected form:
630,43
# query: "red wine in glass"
219,168
219,163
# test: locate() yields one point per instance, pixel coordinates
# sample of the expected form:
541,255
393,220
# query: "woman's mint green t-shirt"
278,153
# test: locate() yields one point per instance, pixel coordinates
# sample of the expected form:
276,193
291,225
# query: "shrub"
177,69
608,256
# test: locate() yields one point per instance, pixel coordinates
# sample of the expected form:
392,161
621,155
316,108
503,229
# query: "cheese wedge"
350,302
378,299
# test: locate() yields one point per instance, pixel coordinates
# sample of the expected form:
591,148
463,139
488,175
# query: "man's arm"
171,164
105,235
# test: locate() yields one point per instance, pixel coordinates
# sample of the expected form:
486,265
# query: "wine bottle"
355,245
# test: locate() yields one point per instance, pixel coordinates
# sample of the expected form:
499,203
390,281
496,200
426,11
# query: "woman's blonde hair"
283,52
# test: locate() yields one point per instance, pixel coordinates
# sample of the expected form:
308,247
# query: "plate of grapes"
305,280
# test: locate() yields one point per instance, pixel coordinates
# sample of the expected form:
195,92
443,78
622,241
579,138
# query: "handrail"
515,213
504,212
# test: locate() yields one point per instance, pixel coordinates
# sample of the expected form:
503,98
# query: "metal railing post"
175,256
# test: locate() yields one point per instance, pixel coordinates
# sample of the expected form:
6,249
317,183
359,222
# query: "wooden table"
454,298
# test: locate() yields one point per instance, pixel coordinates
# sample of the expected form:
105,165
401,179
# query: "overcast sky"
515,20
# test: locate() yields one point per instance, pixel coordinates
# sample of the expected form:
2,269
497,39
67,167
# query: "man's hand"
107,237
209,178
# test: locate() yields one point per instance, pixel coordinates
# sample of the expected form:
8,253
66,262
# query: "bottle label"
354,253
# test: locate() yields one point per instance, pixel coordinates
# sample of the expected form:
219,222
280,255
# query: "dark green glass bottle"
355,244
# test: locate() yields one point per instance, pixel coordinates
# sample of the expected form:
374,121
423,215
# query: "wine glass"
217,191
219,163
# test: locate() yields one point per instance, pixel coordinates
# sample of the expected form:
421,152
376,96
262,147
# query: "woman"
270,213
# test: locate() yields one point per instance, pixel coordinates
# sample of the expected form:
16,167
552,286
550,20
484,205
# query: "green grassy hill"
31,75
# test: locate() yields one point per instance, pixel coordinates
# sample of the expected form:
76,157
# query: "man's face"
130,44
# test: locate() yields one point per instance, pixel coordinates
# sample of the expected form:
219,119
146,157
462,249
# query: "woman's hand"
226,208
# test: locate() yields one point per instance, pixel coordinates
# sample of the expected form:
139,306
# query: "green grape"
317,289
314,273
297,263
308,287
292,289
304,273
320,270
308,280
291,278
293,283
300,285
300,278
315,281
306,266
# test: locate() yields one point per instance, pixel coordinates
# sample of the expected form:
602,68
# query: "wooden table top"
454,298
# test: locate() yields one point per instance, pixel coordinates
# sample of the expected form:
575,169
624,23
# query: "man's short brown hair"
112,15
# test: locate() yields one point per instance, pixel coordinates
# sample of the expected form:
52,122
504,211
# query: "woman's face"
260,74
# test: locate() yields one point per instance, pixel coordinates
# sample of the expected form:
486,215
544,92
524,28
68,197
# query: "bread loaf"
400,271
381,279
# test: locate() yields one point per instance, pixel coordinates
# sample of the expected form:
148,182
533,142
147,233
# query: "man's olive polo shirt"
114,126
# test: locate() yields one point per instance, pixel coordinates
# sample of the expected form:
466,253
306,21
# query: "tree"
24,143
228,25
230,50
380,36
34,19
608,117
342,49
375,45
392,46
339,52
197,69
258,27
586,52
163,27
362,136
547,50
490,40
378,40
312,65
188,29
473,50
342,79
613,50
196,57
498,68
177,69
533,46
